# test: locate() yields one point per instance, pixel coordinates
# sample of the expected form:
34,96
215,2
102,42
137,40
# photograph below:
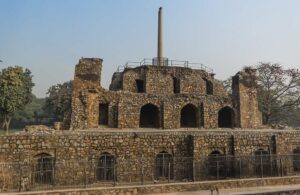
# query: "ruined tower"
244,94
86,85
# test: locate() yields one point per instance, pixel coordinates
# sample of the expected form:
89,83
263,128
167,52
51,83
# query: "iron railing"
165,62
109,171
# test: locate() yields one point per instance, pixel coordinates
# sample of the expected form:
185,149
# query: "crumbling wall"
86,82
159,80
244,94
167,88
170,107
136,151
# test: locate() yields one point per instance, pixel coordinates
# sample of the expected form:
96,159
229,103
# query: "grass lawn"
11,131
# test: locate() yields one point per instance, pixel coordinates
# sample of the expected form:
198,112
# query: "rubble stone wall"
135,150
124,103
245,99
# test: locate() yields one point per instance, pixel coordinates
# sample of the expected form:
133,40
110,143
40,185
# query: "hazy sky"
50,36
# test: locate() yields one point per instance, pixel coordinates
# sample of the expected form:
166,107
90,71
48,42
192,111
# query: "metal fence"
49,173
165,62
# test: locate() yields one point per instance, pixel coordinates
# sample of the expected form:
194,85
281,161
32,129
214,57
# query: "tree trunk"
6,123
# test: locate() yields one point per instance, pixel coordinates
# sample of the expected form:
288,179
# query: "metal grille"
164,166
44,169
106,167
44,172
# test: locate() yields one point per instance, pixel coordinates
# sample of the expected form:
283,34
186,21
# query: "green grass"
10,132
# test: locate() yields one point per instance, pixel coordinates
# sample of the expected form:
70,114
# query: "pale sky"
50,36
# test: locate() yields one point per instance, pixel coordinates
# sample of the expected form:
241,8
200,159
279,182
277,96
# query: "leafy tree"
58,102
15,92
278,92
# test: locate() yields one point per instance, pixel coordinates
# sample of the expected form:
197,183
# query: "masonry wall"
167,88
86,81
136,151
159,80
170,107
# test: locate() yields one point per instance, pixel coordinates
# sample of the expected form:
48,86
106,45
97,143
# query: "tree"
58,102
32,114
15,92
278,91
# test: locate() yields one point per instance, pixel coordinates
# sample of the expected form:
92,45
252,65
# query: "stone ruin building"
162,93
161,120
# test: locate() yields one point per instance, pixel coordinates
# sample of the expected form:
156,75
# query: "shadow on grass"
10,132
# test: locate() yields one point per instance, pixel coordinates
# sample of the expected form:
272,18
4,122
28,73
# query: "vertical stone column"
244,94
86,81
160,39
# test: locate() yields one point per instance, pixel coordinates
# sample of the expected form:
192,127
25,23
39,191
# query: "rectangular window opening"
103,114
176,85
140,86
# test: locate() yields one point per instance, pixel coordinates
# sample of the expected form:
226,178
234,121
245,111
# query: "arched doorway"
149,116
262,163
216,165
44,169
106,167
164,165
188,116
296,159
225,117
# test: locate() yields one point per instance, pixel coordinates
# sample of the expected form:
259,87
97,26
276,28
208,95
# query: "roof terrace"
165,62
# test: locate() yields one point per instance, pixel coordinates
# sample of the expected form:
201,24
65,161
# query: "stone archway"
44,169
149,116
216,165
226,117
188,116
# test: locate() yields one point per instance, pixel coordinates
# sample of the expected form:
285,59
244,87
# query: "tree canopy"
15,92
278,92
58,101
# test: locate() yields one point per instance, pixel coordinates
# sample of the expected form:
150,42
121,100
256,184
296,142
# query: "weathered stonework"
77,154
178,96
245,99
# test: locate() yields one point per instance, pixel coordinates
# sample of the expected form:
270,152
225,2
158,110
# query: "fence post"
271,166
85,174
240,168
194,171
20,177
281,168
115,173
142,174
261,167
217,170
169,172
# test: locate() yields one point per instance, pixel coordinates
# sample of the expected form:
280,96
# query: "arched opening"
262,163
225,117
188,116
216,165
103,114
106,167
44,169
164,166
296,159
149,116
